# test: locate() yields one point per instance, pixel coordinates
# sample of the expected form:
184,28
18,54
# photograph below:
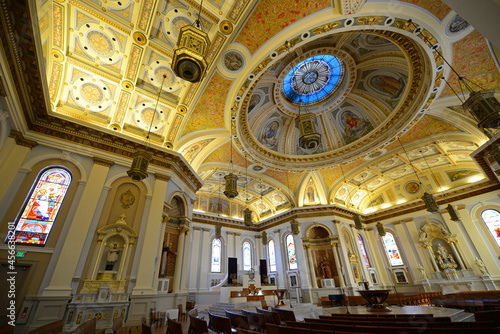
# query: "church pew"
285,315
52,328
238,320
220,324
257,320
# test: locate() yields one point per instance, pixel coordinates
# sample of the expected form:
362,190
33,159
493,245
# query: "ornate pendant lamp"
231,190
381,229
139,169
295,226
309,138
189,62
247,213
482,104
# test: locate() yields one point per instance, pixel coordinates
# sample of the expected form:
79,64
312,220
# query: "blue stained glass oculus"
313,80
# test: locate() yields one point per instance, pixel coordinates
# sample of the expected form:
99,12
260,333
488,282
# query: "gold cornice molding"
21,141
103,162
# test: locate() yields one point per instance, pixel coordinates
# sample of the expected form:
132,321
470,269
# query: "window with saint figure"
392,250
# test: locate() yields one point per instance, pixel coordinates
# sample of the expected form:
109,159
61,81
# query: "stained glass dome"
313,80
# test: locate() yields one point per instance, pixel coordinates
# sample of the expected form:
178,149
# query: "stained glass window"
292,257
363,250
247,256
216,255
313,80
392,250
272,256
492,220
42,206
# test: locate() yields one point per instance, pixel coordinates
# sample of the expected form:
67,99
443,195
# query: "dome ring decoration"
416,95
313,80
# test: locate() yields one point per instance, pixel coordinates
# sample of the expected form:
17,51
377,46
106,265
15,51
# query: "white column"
408,252
311,266
360,255
183,230
230,244
60,284
378,256
457,256
151,251
455,229
488,258
184,278
433,260
195,260
238,250
205,260
13,163
421,253
159,253
258,247
281,260
335,246
344,257
303,269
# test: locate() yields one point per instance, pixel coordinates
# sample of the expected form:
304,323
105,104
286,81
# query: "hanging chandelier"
357,221
218,231
189,59
482,104
247,213
264,238
309,138
231,189
139,169
295,226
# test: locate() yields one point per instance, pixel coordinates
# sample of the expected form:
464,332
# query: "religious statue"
481,266
422,271
164,257
325,268
445,259
112,257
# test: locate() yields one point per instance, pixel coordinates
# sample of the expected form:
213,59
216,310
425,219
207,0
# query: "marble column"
149,255
433,260
185,261
203,283
314,280
335,249
344,257
18,149
457,255
183,230
195,260
159,253
60,283
378,257
408,254
462,245
281,260
485,254
258,247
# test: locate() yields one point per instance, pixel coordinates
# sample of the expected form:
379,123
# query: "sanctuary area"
160,157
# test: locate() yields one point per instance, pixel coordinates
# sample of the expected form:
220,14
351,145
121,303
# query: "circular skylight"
313,80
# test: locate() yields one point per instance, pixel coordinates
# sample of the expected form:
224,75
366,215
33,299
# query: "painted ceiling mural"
359,68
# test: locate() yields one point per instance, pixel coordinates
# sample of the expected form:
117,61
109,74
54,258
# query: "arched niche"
111,258
320,239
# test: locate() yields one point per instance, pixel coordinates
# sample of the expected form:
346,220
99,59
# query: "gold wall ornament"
247,217
189,62
295,226
325,28
127,199
231,189
485,108
218,231
139,169
139,38
226,27
370,20
381,229
430,202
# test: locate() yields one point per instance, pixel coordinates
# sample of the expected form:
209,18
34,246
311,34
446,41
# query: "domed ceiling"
358,89
356,76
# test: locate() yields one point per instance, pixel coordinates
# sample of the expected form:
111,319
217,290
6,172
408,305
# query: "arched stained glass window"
292,257
42,206
272,256
247,256
216,256
363,250
492,220
392,250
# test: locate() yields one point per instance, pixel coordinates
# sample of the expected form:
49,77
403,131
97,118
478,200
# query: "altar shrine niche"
441,248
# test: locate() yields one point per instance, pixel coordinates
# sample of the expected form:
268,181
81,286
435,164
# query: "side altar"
103,293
